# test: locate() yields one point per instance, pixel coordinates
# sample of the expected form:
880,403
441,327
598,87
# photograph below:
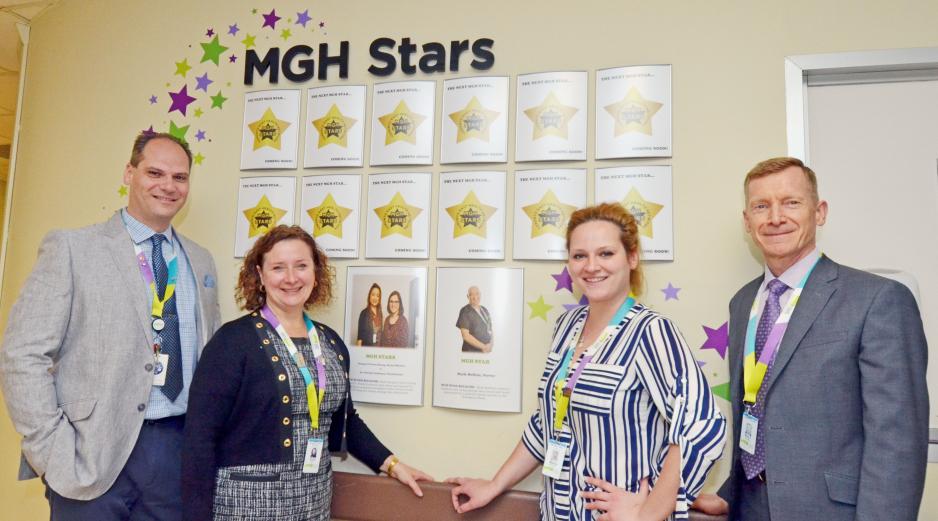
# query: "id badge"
748,432
313,455
553,460
160,368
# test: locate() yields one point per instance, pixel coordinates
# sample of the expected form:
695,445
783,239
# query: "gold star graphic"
397,217
333,127
328,217
551,117
549,215
401,124
643,211
473,121
633,113
268,130
470,216
263,217
539,308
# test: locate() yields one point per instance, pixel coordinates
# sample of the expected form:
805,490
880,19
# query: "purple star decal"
148,131
153,99
303,18
233,29
181,100
270,19
582,302
210,32
563,280
717,339
200,135
232,58
322,24
670,292
202,82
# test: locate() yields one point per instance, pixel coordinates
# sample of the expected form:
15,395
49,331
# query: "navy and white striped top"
642,391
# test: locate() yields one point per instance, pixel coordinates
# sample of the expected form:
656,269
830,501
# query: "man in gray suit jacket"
837,428
101,345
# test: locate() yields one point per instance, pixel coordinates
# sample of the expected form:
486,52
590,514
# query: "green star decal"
182,68
218,100
178,132
539,308
212,51
198,158
285,34
722,390
248,41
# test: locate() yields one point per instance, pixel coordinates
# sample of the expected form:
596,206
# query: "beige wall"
92,64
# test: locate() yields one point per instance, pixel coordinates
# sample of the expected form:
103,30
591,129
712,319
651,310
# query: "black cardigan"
237,406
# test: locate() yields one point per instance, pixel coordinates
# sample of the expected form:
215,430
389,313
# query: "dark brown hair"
136,153
377,317
628,233
776,165
400,303
249,292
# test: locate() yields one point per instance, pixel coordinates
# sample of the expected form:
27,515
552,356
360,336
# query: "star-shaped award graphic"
401,124
328,217
470,216
333,127
644,211
548,215
633,113
268,130
551,117
397,217
263,217
473,121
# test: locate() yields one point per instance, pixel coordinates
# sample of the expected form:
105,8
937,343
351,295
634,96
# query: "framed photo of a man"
385,320
477,341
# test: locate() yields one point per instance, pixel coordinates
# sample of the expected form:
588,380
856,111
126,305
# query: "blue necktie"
169,336
753,464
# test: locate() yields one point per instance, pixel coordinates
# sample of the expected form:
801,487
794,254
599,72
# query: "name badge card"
160,368
748,432
553,460
313,455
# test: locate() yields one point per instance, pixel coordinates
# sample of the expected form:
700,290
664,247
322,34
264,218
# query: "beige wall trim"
23,29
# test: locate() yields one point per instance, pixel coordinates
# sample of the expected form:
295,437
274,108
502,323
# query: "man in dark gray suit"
102,343
827,373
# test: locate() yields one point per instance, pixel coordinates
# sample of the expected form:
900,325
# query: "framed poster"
471,216
398,216
645,191
544,200
402,123
270,132
335,126
385,320
633,112
550,124
477,343
474,122
263,203
330,212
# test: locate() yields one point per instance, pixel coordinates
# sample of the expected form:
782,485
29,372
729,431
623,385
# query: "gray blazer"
75,351
846,413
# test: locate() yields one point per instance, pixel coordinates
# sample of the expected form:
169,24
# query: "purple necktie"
753,464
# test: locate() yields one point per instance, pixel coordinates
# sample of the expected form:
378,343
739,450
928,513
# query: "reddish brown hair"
628,233
776,165
249,292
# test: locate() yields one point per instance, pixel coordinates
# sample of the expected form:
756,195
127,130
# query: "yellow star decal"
473,121
397,217
539,308
470,216
328,217
551,117
333,127
122,191
643,211
549,215
401,124
198,158
268,130
263,217
633,113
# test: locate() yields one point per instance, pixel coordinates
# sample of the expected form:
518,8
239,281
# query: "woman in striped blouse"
626,424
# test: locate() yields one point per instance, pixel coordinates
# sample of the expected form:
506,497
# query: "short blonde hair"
776,165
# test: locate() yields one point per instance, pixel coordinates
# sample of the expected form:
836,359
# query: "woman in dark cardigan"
270,399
